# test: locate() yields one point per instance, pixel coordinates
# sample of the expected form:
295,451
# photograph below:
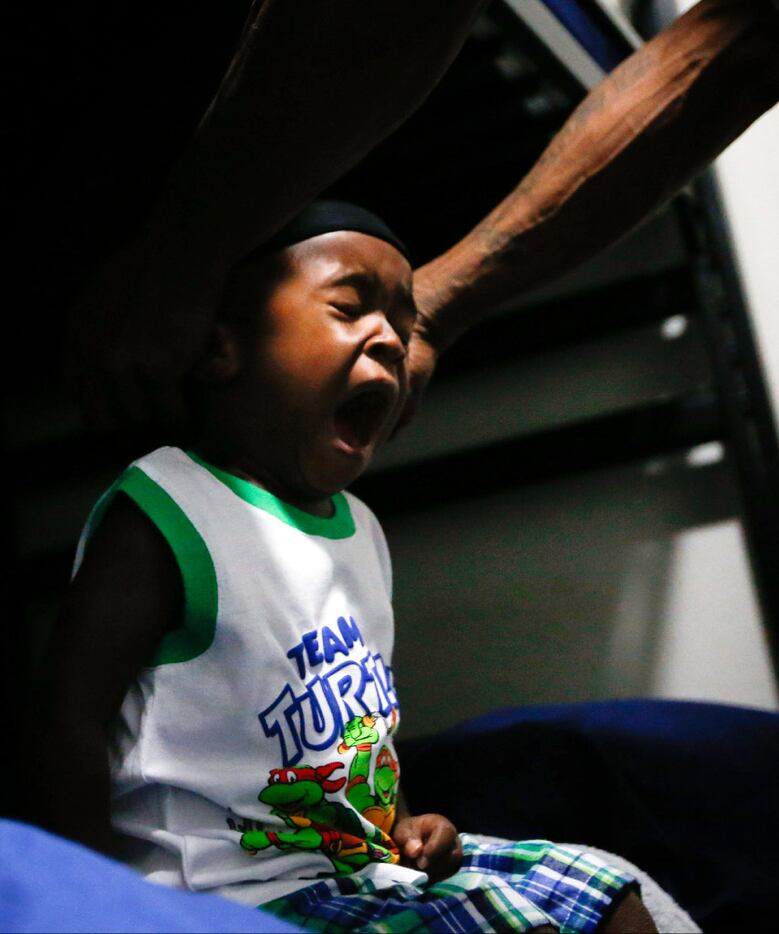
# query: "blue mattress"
48,884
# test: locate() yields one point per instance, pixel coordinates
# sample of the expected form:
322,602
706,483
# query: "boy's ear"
221,359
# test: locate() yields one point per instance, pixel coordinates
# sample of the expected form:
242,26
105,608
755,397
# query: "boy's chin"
335,474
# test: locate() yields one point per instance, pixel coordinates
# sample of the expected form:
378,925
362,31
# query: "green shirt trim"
194,561
339,525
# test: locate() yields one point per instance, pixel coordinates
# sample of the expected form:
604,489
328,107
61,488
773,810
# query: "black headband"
321,217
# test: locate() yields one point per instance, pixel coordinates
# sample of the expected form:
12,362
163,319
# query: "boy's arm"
643,133
125,597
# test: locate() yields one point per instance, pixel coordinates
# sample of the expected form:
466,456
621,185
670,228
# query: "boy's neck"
241,465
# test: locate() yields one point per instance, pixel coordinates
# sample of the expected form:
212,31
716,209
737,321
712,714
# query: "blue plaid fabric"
501,886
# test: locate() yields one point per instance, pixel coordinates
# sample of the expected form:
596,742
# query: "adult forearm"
637,138
312,88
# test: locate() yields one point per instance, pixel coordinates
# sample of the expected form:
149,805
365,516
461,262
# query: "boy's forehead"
338,254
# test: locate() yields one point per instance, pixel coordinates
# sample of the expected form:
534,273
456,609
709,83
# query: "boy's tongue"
358,421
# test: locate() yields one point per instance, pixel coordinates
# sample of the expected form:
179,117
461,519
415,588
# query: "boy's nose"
385,344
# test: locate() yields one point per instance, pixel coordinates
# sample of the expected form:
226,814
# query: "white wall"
748,174
627,582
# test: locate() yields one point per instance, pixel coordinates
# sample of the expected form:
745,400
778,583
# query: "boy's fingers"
445,860
442,849
441,839
408,837
412,848
430,842
456,855
409,841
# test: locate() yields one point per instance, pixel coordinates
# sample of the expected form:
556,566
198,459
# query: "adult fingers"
422,359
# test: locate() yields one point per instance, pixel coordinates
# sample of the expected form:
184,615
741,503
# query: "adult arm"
636,139
125,597
312,88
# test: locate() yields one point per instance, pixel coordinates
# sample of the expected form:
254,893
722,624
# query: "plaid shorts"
501,886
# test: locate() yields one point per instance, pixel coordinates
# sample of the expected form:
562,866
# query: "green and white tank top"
254,754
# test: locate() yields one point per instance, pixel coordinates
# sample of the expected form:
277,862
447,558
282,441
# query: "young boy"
223,704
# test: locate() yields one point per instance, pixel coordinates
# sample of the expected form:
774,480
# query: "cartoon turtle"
385,788
377,806
297,796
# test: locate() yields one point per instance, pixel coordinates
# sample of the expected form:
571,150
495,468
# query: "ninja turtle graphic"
377,804
297,796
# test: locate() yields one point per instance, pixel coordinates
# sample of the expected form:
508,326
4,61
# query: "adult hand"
422,357
135,331
429,842
424,347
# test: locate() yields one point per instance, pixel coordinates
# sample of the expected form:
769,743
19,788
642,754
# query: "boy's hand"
429,842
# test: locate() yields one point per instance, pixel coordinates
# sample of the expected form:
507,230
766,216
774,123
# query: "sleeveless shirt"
254,754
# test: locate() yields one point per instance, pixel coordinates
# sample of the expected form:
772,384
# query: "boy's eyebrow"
356,279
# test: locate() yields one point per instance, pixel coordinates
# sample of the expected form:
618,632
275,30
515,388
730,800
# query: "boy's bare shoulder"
127,527
126,596
127,549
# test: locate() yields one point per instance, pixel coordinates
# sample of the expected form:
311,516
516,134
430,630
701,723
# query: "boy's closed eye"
348,298
402,321
357,293
351,309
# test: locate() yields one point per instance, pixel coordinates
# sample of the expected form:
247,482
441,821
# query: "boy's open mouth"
359,420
